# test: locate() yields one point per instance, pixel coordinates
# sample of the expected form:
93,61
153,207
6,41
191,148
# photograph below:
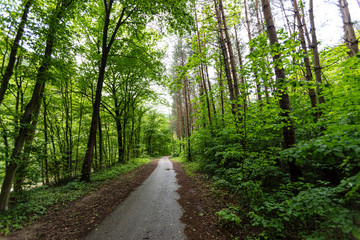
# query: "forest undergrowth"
27,206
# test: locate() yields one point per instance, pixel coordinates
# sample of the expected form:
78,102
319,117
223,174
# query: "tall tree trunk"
308,76
350,39
202,74
221,84
30,111
257,81
78,137
288,129
119,135
187,119
231,52
45,144
86,168
10,67
288,25
101,159
316,58
226,60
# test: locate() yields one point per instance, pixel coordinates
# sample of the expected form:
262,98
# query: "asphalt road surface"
150,212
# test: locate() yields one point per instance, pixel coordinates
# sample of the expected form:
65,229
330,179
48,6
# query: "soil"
76,219
200,203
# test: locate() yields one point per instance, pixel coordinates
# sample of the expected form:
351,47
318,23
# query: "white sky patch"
329,29
328,21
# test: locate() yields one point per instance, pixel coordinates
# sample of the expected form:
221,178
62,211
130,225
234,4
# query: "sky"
328,26
329,23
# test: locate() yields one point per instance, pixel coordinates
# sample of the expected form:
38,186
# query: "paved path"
150,212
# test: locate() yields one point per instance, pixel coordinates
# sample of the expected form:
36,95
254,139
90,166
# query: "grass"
190,167
33,203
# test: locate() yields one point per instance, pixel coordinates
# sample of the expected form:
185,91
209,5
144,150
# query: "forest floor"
76,219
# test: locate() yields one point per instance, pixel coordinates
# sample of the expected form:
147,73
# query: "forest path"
150,212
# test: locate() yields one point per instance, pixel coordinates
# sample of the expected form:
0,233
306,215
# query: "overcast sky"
328,26
328,20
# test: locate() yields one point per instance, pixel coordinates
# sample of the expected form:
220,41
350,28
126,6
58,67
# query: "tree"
126,12
12,58
314,47
140,10
351,41
33,107
308,71
284,101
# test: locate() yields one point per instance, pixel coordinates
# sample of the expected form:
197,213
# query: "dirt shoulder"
77,218
200,204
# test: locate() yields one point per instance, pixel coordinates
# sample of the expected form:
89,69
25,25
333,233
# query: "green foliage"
228,216
247,158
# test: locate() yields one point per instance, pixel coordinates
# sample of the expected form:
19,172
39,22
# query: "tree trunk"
308,76
86,168
101,160
45,144
286,17
257,81
10,67
314,47
119,135
288,129
226,61
350,39
187,119
202,75
231,52
30,111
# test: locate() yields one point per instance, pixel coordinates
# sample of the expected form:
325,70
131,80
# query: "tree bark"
284,101
101,159
45,144
350,39
316,58
86,168
231,52
202,74
226,61
30,112
308,75
10,67
257,81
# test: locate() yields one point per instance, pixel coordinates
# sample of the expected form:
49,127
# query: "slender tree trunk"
308,76
119,134
316,58
30,112
226,61
101,159
202,75
231,52
86,168
10,67
187,125
288,129
288,25
257,81
45,144
78,138
350,39
221,84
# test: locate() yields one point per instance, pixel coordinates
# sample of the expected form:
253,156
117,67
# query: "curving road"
150,212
